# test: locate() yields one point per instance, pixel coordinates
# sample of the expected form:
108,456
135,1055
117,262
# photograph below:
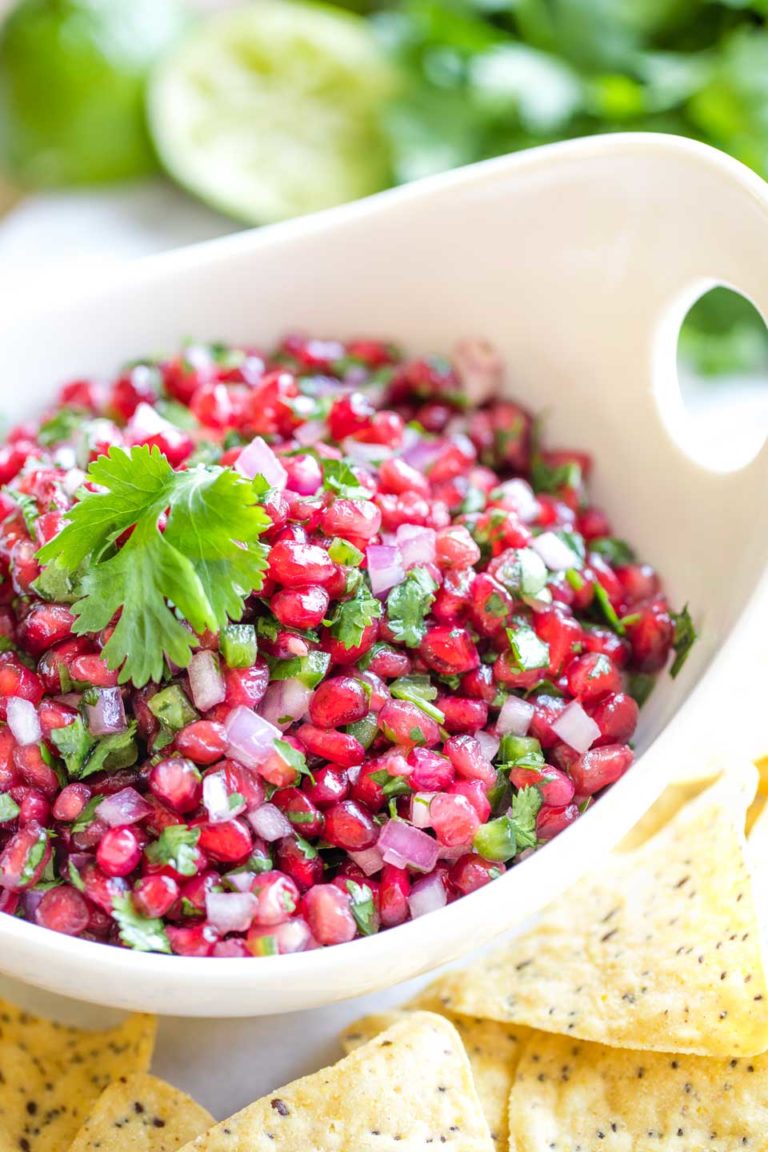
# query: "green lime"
72,83
272,110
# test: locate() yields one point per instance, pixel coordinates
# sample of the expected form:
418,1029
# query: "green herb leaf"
607,609
352,617
684,639
617,552
9,809
339,477
391,786
84,755
528,650
63,426
342,552
418,690
176,845
292,757
142,933
363,908
408,604
205,563
525,806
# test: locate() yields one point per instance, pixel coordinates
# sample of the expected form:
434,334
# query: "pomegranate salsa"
300,645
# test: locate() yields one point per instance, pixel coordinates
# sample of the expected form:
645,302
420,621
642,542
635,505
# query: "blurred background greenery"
274,108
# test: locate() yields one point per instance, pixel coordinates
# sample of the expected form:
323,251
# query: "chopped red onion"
489,744
362,453
107,715
555,552
294,936
575,728
305,475
230,911
454,853
480,369
407,847
427,895
370,861
310,433
217,799
258,459
285,701
385,567
206,681
270,823
23,721
515,716
123,807
420,802
518,496
73,480
421,453
241,881
250,738
417,545
145,422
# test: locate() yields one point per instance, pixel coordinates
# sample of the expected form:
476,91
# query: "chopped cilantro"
339,477
9,809
34,857
554,477
529,652
84,755
309,669
206,561
362,907
352,617
640,685
419,690
525,806
684,639
88,814
616,552
142,933
75,878
176,845
63,426
28,508
391,786
292,757
607,609
57,584
407,606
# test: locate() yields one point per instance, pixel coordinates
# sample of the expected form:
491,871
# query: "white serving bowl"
579,262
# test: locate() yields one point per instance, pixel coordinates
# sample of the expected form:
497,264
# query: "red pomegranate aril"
100,888
406,725
471,872
349,826
43,626
430,772
303,864
466,755
616,716
462,713
193,892
24,857
479,684
398,477
296,565
329,785
277,898
596,639
177,783
592,676
155,895
341,654
650,636
301,607
546,711
63,910
555,787
600,767
228,843
34,808
394,890
639,582
455,548
561,631
329,914
338,701
293,935
301,812
452,603
360,519
338,747
70,802
17,680
453,818
476,792
34,770
119,852
203,742
388,663
93,670
449,651
550,822
197,940
246,686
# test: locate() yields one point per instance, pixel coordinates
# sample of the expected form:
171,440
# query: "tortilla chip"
52,1075
570,1094
659,951
493,1049
672,799
141,1114
409,1088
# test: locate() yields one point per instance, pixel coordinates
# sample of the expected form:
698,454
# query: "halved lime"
272,110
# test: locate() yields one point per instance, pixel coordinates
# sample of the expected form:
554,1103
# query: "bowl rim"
586,840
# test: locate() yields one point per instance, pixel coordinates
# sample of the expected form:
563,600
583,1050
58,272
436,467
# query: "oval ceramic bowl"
579,262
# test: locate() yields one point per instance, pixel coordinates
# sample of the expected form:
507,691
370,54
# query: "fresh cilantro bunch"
174,553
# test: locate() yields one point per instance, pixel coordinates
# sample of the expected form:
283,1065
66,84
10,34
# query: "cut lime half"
272,110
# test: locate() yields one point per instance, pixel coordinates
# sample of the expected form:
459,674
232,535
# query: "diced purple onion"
250,738
230,911
480,369
73,480
519,497
362,453
453,853
385,567
421,452
420,802
71,699
515,716
284,702
217,800
427,895
241,881
311,433
270,823
417,545
555,552
305,475
206,681
489,744
370,861
122,808
258,459
407,847
145,422
107,715
576,728
23,721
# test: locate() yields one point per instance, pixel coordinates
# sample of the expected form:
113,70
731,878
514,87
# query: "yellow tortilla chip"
570,1094
408,1089
141,1114
672,799
660,950
52,1075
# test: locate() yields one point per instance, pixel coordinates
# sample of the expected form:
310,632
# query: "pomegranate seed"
338,701
44,625
388,663
303,865
338,747
34,770
466,755
453,818
430,772
475,792
449,651
246,686
329,914
301,812
394,889
193,893
23,860
555,787
277,898
349,826
198,940
600,767
616,716
551,821
64,910
155,895
119,851
471,872
406,725
455,548
176,783
100,888
296,565
203,742
33,806
229,843
292,936
356,519
593,676
301,607
462,713
651,637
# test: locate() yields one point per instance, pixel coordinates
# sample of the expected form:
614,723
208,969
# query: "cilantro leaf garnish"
684,639
352,617
142,933
206,561
608,610
84,755
408,604
362,907
292,757
528,650
419,690
339,477
9,809
176,846
525,807
616,551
